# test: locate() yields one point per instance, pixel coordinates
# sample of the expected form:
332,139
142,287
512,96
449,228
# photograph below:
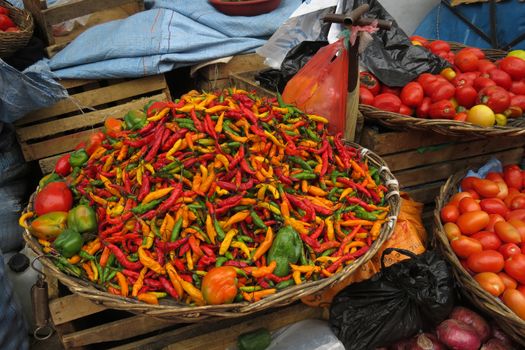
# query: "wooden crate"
101,11
82,324
422,161
217,75
46,134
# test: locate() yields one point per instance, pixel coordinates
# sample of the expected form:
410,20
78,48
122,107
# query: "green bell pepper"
285,250
135,119
78,158
82,219
68,243
53,177
258,339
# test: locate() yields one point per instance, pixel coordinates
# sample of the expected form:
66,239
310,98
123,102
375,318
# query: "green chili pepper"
228,255
86,256
53,177
142,208
176,230
111,275
280,101
66,267
363,214
250,289
220,260
135,119
245,238
303,259
170,166
219,230
300,162
230,130
285,284
100,272
311,134
187,126
206,142
328,252
305,176
131,166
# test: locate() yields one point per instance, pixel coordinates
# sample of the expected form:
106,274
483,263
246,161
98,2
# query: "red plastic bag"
320,87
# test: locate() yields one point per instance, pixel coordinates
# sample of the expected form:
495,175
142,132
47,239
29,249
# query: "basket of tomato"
480,228
482,93
16,28
214,205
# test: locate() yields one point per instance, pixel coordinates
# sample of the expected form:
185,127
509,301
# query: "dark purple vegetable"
425,341
458,335
501,336
494,344
400,344
473,319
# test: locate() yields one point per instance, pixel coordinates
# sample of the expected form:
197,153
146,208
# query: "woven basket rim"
506,318
183,312
10,42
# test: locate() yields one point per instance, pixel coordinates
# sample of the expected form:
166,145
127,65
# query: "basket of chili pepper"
481,94
213,205
16,28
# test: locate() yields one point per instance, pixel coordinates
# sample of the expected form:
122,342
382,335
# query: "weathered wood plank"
238,64
72,307
76,8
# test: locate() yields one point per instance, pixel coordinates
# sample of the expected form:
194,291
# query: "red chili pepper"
170,201
326,245
179,265
237,159
123,260
318,230
130,273
196,121
284,179
149,215
167,247
205,261
349,256
111,230
209,206
310,241
156,285
262,282
235,263
249,115
246,185
147,129
173,138
277,279
207,250
227,186
246,167
183,249
210,126
159,135
140,142
168,287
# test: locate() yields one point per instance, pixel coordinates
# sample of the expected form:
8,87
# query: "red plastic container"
245,8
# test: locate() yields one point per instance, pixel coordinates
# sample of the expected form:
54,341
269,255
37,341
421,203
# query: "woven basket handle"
399,250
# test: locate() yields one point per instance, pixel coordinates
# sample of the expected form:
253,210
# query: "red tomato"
503,190
518,87
465,246
412,94
442,91
430,87
486,261
461,117
512,176
515,267
423,108
493,218
466,96
390,90
467,183
495,97
405,110
490,282
485,188
509,282
6,22
458,196
514,66
484,66
501,78
521,288
369,81
466,61
387,102
439,46
518,101
518,202
426,78
443,109
62,166
55,196
468,204
513,191
520,226
488,240
518,214
4,11
463,79
523,178
482,82
493,206
506,232
474,194
94,141
449,213
451,230
365,96
515,300
509,249
472,222
479,54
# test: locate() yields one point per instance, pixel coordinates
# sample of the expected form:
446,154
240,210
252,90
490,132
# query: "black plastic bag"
296,58
402,299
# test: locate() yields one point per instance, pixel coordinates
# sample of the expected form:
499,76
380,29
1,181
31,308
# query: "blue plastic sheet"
441,23
172,34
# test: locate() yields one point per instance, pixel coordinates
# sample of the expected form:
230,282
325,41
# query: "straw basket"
515,127
504,317
12,41
172,310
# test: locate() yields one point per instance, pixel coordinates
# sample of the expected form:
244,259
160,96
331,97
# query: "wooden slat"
210,85
72,307
398,141
441,171
34,7
76,8
425,193
72,83
98,97
79,121
116,330
238,64
222,339
447,152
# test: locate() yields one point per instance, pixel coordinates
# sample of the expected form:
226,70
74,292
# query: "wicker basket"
515,127
10,42
180,312
504,317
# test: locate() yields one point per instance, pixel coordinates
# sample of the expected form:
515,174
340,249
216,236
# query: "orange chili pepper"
174,278
265,245
123,283
104,257
149,262
89,272
148,298
139,282
264,270
258,295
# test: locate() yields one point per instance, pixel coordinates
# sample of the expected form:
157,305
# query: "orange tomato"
451,230
486,188
515,300
459,196
468,204
493,218
464,246
506,232
490,282
113,126
509,282
520,226
449,213
467,183
472,222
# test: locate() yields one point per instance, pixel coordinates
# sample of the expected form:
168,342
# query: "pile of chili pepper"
211,179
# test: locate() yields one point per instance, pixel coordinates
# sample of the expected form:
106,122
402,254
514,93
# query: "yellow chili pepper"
305,268
123,284
355,244
159,115
345,193
236,138
265,245
222,158
89,271
174,278
225,244
297,225
273,138
357,222
329,228
109,162
192,291
99,151
22,221
317,191
248,201
148,298
242,246
189,260
296,275
157,194
261,193
123,152
210,229
139,282
235,218
273,190
317,118
149,262
270,207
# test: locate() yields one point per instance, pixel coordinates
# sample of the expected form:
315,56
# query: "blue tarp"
172,34
441,23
